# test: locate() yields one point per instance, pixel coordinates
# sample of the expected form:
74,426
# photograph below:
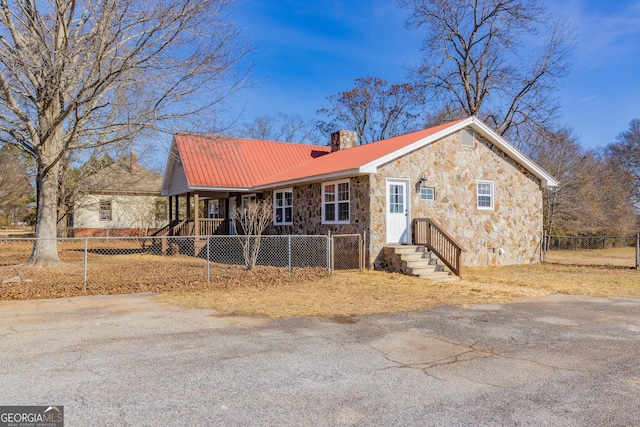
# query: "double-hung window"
283,207
485,195
105,210
335,202
214,208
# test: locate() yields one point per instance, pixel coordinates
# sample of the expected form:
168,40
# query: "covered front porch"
203,213
200,214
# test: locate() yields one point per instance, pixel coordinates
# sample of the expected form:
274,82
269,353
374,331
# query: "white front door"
398,210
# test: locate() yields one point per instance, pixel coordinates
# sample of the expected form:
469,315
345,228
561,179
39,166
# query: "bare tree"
485,58
593,195
15,186
146,214
626,152
78,74
253,217
374,109
283,127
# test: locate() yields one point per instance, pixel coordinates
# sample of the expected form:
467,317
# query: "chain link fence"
97,261
622,251
348,252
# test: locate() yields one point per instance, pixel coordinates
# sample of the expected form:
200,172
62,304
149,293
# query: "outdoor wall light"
422,181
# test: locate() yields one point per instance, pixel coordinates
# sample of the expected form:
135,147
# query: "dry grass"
356,293
274,292
350,293
142,273
598,281
623,257
129,272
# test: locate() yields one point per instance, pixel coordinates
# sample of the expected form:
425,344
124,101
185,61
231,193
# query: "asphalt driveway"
128,360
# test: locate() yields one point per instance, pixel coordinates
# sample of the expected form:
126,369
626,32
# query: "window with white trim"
214,208
485,194
283,207
335,202
427,193
248,199
105,210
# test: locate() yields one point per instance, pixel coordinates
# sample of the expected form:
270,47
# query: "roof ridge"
234,138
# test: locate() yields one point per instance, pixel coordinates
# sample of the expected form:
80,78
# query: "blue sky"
308,50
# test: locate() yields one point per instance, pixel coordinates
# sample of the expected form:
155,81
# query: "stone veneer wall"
307,210
515,224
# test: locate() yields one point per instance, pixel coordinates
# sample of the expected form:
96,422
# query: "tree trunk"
45,247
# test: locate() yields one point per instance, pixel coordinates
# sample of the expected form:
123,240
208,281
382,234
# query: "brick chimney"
343,139
134,166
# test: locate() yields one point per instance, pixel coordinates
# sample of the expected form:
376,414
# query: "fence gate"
347,252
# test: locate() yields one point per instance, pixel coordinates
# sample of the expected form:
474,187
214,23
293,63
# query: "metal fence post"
86,250
360,254
332,249
289,252
637,251
545,244
208,263
328,240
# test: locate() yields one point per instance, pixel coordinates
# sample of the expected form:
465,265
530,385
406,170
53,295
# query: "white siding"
126,212
178,184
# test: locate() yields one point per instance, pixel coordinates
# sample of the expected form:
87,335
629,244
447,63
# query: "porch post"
170,209
227,216
188,205
196,214
175,208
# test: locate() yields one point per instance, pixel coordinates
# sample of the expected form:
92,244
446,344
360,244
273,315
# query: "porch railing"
164,231
428,233
212,226
186,227
182,228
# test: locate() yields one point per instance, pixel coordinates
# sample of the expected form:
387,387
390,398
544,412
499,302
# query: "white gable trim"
545,179
372,167
168,169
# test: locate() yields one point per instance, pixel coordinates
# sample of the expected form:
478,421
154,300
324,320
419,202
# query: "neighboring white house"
120,200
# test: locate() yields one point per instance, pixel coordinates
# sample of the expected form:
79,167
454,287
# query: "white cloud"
608,32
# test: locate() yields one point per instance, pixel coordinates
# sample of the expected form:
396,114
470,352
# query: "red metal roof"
353,158
222,162
234,163
211,161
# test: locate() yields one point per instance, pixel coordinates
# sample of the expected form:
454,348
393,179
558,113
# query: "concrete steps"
416,261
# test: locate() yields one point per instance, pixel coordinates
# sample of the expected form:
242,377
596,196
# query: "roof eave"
308,179
211,189
220,188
